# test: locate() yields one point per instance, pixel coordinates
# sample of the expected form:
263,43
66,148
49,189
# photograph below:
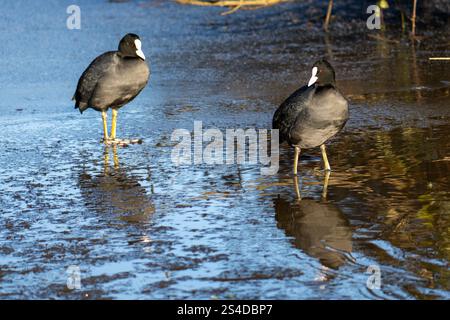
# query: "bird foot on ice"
122,142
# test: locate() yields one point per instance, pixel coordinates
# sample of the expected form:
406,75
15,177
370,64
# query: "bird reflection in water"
115,192
319,229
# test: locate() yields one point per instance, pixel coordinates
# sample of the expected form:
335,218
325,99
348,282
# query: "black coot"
312,114
112,80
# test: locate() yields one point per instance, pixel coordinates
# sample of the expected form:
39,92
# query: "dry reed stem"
241,2
413,19
328,16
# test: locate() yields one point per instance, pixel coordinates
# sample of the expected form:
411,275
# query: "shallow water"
139,227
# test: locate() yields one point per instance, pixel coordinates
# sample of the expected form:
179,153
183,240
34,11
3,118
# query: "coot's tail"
80,105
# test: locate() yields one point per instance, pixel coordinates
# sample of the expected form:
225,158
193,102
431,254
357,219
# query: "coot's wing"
325,115
120,85
90,77
285,116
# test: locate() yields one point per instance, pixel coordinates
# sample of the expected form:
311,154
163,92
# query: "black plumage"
313,114
113,79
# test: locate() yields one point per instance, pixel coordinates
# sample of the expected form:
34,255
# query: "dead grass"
234,5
